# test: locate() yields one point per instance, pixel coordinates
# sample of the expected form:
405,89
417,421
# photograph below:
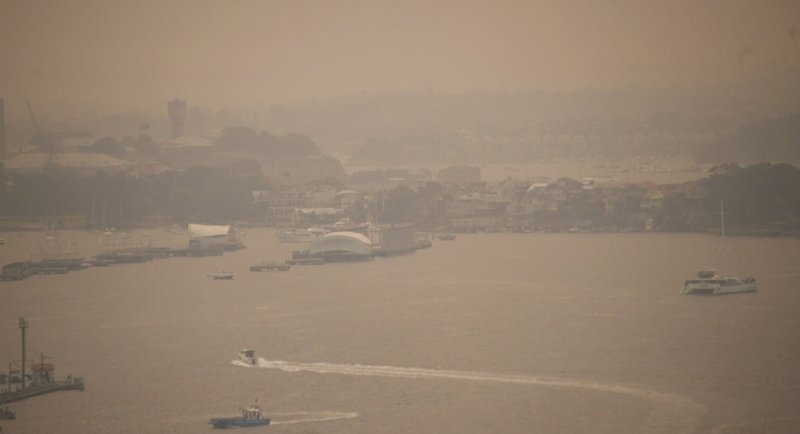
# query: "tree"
146,146
109,146
399,206
239,137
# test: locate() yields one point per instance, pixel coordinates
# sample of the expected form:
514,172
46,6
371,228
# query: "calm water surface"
507,333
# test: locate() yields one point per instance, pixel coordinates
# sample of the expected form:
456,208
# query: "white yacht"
711,283
301,236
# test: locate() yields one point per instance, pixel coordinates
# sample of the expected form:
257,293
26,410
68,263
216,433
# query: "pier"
40,389
42,377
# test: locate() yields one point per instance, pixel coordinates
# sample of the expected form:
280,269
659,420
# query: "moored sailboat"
710,282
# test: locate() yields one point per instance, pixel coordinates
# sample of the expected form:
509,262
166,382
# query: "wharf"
271,266
40,389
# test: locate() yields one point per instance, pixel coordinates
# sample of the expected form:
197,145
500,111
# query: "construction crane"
45,142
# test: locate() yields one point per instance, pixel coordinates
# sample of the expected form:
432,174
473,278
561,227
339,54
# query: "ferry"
301,236
251,416
248,356
711,283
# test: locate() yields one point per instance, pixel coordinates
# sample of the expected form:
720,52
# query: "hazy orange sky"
113,55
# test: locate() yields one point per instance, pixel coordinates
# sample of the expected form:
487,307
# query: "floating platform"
271,266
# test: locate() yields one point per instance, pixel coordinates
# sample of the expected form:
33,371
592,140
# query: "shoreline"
36,226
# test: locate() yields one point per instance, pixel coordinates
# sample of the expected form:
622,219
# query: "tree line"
757,196
121,200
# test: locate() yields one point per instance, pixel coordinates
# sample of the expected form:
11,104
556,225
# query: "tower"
2,128
22,326
176,110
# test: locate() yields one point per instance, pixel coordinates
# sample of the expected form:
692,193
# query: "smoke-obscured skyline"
111,56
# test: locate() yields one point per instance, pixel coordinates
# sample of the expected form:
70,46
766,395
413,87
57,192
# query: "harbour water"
501,333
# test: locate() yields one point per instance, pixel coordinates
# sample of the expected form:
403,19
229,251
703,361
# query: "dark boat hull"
238,422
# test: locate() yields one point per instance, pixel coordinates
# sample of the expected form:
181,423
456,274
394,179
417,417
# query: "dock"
40,389
42,378
271,266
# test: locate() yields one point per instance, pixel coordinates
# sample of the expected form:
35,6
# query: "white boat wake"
675,413
308,416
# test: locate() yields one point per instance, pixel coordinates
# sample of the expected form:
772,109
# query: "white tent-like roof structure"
350,242
197,232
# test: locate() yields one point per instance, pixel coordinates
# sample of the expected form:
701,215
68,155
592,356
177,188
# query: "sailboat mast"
722,227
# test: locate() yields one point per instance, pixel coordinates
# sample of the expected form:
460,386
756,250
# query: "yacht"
712,283
301,236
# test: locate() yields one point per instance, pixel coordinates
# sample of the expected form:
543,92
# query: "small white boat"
248,356
224,275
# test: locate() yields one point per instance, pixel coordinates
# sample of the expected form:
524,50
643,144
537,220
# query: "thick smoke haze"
112,56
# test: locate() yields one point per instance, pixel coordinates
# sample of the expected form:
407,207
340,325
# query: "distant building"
460,175
177,110
281,205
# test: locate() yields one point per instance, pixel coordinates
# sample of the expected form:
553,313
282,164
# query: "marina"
436,334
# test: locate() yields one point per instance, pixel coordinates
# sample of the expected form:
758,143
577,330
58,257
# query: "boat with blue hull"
251,416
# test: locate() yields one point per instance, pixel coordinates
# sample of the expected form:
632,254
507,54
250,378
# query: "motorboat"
248,356
251,416
221,275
